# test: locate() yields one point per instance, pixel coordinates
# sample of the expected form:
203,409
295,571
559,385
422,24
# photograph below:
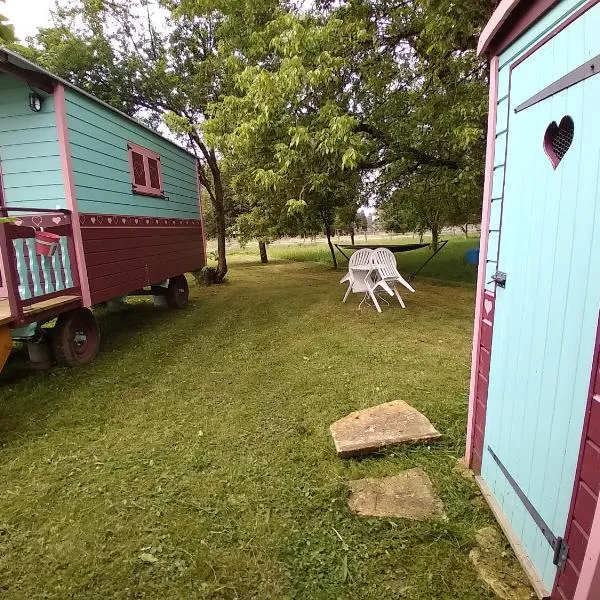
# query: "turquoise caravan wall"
29,150
98,138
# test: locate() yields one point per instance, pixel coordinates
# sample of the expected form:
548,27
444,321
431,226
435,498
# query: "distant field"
448,265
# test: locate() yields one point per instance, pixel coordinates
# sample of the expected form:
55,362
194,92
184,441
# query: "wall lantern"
35,102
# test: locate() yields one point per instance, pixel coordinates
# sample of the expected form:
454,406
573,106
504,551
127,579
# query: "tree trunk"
262,248
352,236
435,238
465,230
331,248
219,207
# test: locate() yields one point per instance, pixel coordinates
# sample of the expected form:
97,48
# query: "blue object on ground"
472,256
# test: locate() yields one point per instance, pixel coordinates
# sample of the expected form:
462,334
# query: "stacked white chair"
386,270
360,277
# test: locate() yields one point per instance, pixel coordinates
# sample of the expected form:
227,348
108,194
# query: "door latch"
499,278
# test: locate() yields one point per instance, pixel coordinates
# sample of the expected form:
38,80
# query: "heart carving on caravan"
558,139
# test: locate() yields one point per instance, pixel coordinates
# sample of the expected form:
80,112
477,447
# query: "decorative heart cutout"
109,219
93,219
36,220
56,220
488,305
558,139
136,221
18,222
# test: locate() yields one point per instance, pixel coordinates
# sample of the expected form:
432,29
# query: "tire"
178,292
76,338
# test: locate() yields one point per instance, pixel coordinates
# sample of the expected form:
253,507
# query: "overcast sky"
27,15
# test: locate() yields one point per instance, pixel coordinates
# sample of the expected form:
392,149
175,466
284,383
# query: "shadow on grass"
54,389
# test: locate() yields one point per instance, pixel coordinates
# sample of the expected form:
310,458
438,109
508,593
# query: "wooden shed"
95,206
534,418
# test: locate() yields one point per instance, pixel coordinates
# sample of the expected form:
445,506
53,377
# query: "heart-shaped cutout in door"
558,139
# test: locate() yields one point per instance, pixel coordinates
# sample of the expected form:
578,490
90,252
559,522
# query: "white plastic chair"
386,270
360,277
361,258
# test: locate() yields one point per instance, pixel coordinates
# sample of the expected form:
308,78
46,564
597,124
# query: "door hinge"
558,544
561,553
499,278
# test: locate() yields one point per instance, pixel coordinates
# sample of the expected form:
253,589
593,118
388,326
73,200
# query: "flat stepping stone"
409,495
372,429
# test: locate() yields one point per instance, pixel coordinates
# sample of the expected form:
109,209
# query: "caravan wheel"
177,292
76,337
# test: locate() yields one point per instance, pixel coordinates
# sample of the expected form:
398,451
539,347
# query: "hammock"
394,248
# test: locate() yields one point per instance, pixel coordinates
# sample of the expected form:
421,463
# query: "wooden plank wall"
483,373
586,491
538,385
124,254
98,141
29,151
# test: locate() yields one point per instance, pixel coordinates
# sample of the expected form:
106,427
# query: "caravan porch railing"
26,277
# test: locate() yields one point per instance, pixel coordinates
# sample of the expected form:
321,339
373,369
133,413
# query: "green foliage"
7,31
389,97
285,131
163,61
297,116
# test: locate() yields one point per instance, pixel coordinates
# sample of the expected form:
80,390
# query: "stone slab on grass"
501,575
409,495
378,427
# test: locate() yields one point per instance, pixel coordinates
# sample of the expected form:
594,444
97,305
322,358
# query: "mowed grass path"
193,458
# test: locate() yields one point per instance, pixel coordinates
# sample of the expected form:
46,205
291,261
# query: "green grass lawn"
448,265
193,458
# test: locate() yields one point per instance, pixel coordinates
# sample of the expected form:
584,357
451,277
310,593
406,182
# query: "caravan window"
145,171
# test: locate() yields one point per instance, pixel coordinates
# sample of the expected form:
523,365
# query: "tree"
7,31
286,127
391,93
163,62
422,99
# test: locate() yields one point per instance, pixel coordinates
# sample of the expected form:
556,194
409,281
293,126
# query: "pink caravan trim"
589,578
483,247
60,108
199,187
500,16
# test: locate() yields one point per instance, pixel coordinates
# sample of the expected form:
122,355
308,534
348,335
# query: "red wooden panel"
125,253
484,362
110,244
480,412
476,460
482,388
100,233
116,291
568,581
102,258
486,335
594,423
489,306
585,507
590,467
578,539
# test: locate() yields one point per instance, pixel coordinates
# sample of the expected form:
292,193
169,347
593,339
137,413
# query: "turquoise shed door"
545,316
